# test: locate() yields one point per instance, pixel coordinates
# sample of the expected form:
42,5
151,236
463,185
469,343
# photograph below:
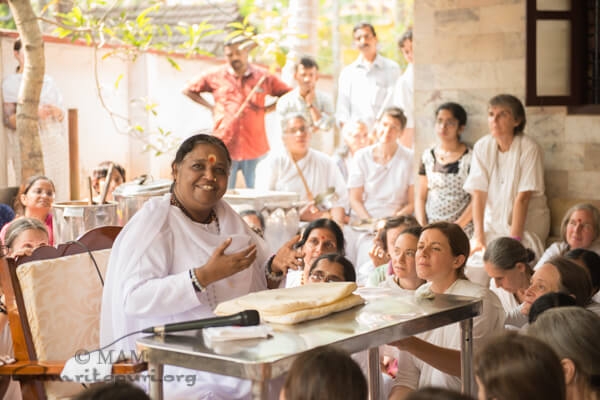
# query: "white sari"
147,283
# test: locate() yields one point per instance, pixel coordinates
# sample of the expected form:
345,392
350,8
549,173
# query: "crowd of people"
476,212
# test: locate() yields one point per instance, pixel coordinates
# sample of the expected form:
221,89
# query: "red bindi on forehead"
212,159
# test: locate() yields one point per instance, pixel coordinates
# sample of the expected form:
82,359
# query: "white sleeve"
266,175
356,175
409,372
532,168
343,100
151,291
479,174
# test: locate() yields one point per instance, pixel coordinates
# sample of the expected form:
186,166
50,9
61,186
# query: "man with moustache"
313,104
366,86
239,90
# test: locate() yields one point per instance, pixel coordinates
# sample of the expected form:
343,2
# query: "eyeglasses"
301,130
320,276
3,251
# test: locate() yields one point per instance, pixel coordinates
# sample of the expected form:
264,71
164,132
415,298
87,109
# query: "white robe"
414,373
503,176
147,283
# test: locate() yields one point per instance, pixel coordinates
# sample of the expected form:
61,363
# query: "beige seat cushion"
62,297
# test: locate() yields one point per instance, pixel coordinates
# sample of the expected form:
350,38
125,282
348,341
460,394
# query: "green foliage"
6,21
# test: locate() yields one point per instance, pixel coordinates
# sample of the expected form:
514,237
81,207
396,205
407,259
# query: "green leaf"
173,64
118,81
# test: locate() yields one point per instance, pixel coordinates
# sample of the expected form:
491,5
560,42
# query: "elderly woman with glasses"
305,171
579,229
34,200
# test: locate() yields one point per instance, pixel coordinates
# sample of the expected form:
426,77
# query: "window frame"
577,18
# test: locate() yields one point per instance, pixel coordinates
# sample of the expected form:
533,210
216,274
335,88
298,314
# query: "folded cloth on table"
227,333
86,367
297,304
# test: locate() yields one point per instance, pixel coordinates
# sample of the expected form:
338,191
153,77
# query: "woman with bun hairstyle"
506,261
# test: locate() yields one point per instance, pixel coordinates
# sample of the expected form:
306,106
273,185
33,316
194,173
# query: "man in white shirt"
404,90
366,85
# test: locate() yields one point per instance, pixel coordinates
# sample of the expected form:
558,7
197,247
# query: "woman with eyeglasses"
380,179
34,200
579,229
305,171
443,172
332,268
322,236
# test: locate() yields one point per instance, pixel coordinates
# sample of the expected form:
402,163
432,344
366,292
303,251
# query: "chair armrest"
53,369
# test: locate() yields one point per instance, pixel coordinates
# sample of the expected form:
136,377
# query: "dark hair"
118,390
307,62
21,225
457,239
513,366
414,230
436,393
591,260
201,138
24,189
548,301
394,222
574,279
325,373
261,219
407,35
363,25
349,271
328,224
102,170
516,107
457,111
397,113
506,252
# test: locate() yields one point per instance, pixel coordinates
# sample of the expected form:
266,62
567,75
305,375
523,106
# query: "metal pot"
131,196
71,219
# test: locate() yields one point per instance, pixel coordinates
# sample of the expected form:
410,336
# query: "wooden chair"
53,302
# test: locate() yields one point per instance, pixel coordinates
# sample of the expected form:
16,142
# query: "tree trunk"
32,161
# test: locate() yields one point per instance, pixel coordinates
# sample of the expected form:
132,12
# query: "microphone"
244,318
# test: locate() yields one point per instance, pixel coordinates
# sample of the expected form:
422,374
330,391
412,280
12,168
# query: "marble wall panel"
569,157
582,129
584,184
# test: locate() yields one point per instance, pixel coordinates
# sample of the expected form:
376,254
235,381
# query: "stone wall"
470,50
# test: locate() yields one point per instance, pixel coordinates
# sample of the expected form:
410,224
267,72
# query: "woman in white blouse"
381,181
433,358
506,180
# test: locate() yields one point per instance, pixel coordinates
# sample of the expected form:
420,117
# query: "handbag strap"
309,194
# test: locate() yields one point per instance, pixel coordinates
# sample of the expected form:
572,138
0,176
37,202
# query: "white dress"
559,249
503,176
385,186
277,172
404,93
414,373
147,283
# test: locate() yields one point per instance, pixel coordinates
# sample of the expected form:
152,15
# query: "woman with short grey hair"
579,229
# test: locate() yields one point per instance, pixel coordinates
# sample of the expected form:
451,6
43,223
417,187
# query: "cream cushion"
62,297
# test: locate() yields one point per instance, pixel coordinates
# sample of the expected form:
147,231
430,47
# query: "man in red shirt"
239,90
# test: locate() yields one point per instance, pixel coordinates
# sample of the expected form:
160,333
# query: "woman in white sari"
180,256
506,181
